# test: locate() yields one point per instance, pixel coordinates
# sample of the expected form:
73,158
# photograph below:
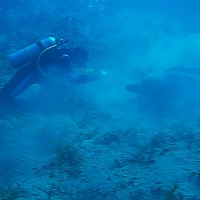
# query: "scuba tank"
31,52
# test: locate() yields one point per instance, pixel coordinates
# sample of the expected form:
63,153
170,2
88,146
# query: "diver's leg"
21,80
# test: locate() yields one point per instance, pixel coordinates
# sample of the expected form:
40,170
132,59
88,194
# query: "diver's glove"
99,74
102,72
92,71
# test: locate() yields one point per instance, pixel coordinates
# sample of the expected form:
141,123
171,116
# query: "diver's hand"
99,74
102,72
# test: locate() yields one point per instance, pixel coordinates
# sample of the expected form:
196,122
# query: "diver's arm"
85,78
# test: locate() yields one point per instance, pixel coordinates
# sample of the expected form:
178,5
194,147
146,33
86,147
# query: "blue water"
98,140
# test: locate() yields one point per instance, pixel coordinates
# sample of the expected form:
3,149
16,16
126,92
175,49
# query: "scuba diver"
49,59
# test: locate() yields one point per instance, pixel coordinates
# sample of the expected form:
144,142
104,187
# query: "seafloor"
89,141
